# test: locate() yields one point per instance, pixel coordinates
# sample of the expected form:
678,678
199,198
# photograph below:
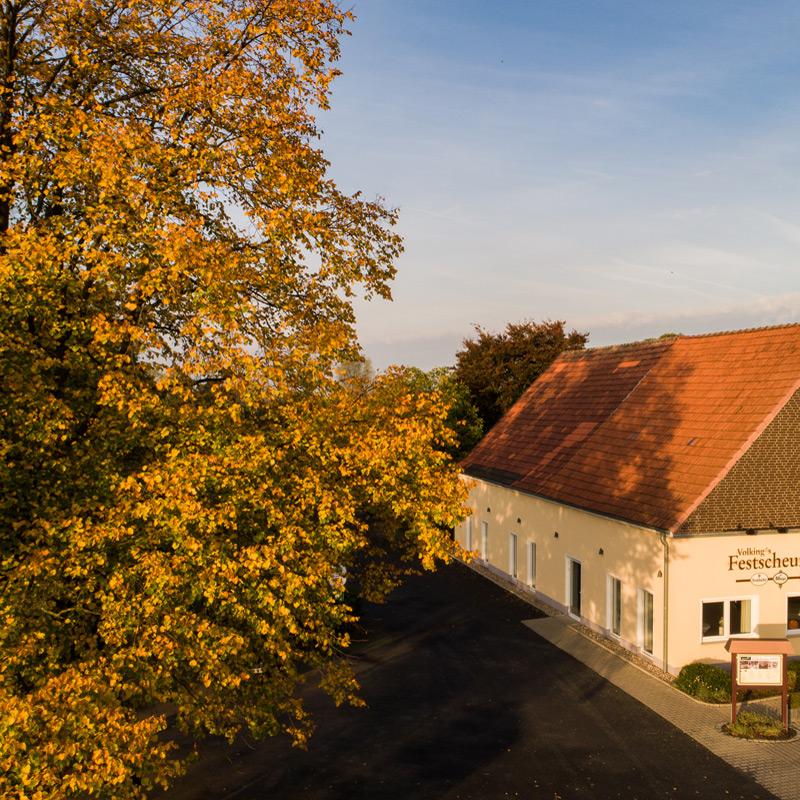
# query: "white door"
574,587
532,564
646,621
614,604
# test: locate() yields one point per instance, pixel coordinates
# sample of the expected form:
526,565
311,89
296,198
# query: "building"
652,491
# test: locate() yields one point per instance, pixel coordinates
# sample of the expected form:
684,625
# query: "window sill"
718,639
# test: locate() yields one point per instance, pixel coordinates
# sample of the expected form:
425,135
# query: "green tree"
496,368
462,417
183,473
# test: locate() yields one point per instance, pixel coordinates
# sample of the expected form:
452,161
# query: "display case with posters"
760,664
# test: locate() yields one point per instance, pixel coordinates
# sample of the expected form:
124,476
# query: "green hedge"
713,684
705,682
794,671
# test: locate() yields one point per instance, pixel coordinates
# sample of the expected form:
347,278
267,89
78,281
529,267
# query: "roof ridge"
663,339
776,327
671,337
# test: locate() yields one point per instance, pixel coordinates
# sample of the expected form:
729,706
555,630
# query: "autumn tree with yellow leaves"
184,476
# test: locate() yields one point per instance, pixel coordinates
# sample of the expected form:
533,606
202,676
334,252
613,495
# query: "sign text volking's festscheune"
755,558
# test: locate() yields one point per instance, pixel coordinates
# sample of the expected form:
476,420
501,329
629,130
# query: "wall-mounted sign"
759,670
747,559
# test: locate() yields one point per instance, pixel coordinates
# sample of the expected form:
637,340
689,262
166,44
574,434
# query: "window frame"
791,631
726,617
484,540
641,628
611,578
513,555
468,533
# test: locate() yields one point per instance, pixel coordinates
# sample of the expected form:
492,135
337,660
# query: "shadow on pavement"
463,701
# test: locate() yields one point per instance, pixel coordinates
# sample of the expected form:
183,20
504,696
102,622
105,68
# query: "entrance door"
532,565
614,605
574,587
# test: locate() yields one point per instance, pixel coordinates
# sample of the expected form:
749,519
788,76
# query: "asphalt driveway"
466,702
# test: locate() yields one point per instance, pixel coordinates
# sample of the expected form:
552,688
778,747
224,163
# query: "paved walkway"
773,764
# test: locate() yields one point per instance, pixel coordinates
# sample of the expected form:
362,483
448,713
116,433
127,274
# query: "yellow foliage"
185,480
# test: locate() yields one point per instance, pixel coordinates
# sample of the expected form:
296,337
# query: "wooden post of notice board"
760,664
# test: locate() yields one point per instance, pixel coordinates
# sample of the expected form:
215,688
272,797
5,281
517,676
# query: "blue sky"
630,167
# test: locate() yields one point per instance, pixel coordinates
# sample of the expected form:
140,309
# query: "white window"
468,537
793,615
614,605
532,564
724,617
512,554
646,621
485,541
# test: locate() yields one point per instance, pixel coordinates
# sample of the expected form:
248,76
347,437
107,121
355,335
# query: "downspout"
665,644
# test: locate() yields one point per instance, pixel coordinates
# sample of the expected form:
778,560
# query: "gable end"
762,489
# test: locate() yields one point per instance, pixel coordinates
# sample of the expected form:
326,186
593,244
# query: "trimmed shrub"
752,725
705,682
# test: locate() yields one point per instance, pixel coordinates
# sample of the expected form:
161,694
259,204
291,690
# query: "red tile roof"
642,431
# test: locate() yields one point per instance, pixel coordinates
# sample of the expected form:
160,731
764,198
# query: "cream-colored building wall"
730,567
632,554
